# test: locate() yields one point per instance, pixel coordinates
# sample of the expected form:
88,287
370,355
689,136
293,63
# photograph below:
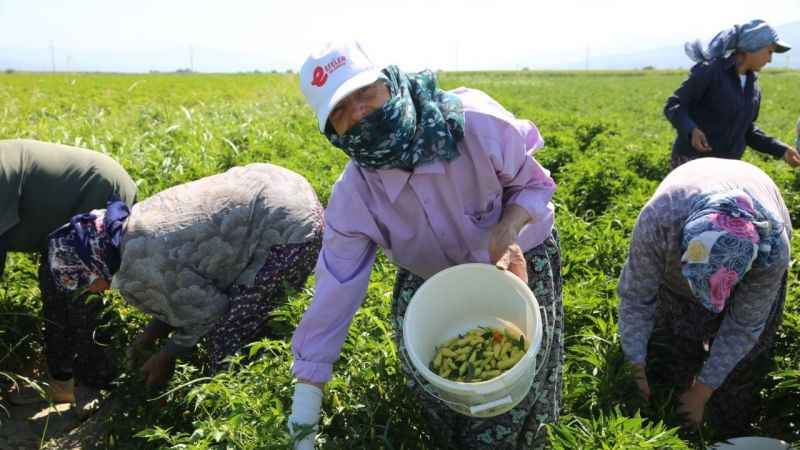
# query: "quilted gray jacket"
186,248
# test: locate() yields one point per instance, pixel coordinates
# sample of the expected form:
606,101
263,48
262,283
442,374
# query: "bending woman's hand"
159,368
693,403
699,141
142,348
306,407
640,376
144,344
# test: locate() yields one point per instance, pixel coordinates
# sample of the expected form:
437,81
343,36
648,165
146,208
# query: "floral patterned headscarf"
420,123
726,235
87,248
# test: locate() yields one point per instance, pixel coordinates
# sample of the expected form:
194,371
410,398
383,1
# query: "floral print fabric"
725,235
69,268
419,124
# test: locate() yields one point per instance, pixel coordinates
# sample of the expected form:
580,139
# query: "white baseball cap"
332,73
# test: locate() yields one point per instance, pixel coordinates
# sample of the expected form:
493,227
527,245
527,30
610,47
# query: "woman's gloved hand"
302,423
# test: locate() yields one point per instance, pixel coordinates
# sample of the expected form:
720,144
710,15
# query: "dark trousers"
76,344
286,269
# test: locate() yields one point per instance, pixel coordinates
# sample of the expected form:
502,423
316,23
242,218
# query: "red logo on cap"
321,73
319,78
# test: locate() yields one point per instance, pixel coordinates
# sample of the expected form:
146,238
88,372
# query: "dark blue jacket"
712,99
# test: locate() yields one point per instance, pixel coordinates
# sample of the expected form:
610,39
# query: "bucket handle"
489,405
494,403
549,343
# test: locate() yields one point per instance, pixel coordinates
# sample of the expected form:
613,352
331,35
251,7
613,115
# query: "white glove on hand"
306,406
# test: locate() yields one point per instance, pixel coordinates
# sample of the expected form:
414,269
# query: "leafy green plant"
614,431
607,146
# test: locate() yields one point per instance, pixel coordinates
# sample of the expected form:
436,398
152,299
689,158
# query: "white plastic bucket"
751,443
457,300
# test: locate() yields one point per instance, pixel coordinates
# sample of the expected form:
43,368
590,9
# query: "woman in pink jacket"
435,179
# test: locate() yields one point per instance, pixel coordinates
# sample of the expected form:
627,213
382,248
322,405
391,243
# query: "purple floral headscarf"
87,248
726,235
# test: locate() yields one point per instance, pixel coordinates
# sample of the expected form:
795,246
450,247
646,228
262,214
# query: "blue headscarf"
749,37
87,248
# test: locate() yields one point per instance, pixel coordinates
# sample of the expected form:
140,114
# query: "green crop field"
607,146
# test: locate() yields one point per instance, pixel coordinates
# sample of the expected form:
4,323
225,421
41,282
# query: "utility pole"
191,59
588,51
456,56
53,56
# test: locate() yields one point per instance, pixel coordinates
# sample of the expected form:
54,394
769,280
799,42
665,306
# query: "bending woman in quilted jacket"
207,259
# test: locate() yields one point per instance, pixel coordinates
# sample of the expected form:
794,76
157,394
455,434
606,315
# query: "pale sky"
236,35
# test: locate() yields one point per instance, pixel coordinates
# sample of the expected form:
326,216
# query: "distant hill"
674,57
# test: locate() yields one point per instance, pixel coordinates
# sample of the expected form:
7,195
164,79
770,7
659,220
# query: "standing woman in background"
715,109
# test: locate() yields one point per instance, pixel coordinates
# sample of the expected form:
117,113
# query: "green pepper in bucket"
479,355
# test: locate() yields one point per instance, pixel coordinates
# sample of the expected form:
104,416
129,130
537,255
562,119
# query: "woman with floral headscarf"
436,178
706,277
42,185
715,109
207,259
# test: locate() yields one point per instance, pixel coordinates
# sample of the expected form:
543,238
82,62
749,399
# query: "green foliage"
607,146
20,318
613,431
